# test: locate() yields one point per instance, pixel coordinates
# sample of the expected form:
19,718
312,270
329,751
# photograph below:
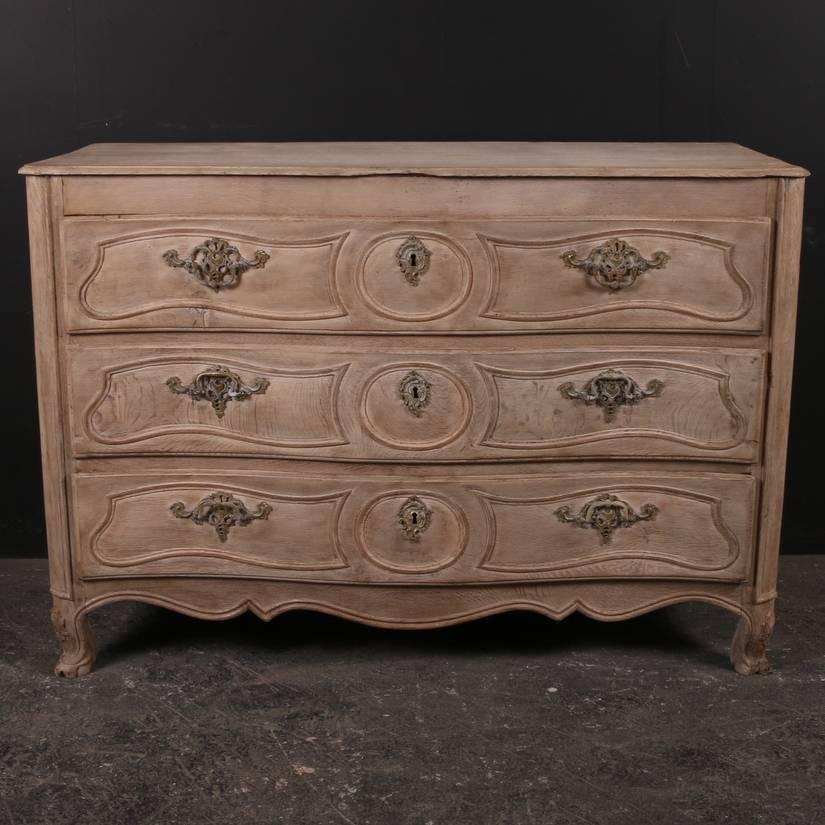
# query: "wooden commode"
413,384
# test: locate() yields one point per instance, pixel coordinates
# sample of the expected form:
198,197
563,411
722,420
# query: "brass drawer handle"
615,264
414,518
216,263
217,385
610,390
221,511
415,392
413,259
607,513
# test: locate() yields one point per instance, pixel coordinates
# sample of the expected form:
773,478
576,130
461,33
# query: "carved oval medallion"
414,277
412,532
415,407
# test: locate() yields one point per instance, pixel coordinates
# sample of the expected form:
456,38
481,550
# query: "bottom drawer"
455,526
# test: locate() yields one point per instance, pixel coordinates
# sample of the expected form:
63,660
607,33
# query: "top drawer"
391,275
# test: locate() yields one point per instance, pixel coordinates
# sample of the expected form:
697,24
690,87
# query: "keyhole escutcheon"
413,259
415,392
414,518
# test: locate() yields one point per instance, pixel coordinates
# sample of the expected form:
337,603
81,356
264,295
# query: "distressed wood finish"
430,198
337,528
345,403
376,396
44,208
490,158
482,276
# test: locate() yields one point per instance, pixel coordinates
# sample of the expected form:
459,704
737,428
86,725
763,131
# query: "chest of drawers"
414,384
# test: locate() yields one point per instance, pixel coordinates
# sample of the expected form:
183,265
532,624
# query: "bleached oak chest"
414,384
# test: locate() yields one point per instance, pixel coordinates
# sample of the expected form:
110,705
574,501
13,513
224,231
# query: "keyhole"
412,259
414,519
415,392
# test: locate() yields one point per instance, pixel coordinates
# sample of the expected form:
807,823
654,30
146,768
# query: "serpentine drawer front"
362,275
413,384
417,405
502,528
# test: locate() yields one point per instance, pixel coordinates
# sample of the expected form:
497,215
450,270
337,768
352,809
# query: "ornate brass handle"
221,511
216,263
611,389
414,518
615,264
415,392
217,385
607,513
413,259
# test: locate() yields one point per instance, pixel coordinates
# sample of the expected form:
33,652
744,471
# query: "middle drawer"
422,405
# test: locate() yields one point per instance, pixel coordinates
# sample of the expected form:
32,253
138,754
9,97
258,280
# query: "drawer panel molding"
440,406
281,407
681,402
431,528
632,523
392,276
129,276
193,522
666,278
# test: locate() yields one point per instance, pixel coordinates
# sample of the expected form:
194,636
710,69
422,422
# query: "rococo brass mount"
607,513
415,392
610,390
217,385
414,517
615,264
413,259
216,263
221,511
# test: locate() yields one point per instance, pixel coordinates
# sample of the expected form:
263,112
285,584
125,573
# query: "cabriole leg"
75,634
749,650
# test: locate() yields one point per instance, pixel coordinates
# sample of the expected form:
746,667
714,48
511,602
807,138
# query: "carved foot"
749,651
75,634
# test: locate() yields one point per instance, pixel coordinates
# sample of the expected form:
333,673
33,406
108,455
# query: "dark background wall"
78,71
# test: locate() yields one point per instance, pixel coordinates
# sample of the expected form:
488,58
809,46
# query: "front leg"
75,634
749,651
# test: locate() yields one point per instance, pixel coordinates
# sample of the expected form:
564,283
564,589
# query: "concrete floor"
314,721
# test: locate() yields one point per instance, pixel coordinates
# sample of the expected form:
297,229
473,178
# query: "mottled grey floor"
515,719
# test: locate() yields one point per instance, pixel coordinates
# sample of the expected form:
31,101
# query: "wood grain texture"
342,528
71,625
139,528
409,608
507,159
204,452
482,276
715,276
749,649
429,198
484,404
48,352
117,274
783,333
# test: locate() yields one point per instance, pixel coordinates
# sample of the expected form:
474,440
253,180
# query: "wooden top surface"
518,159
